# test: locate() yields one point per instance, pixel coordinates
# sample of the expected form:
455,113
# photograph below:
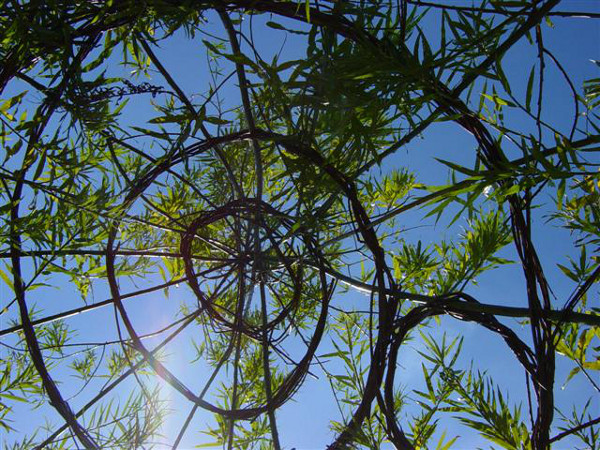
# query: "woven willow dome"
251,223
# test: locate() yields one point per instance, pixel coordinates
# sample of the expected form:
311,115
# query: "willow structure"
192,209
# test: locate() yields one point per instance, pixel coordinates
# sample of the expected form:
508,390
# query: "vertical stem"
267,368
257,266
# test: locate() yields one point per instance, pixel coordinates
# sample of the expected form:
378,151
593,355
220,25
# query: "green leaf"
529,89
573,276
216,120
275,26
210,444
6,280
8,104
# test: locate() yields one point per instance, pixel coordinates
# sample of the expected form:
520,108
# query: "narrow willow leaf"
529,89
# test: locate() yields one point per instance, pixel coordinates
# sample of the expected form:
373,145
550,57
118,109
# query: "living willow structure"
195,209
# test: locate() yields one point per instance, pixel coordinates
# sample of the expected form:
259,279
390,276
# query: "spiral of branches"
261,210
